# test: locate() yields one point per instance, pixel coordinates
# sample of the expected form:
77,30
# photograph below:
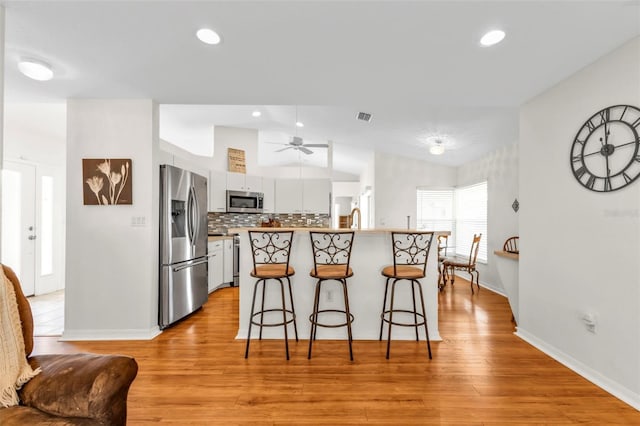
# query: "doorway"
32,234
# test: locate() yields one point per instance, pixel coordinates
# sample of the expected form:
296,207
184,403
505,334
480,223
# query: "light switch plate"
138,221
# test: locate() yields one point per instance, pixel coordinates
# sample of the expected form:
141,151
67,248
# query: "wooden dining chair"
511,245
450,265
443,245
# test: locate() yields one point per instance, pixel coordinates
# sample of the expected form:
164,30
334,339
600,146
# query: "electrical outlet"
329,296
590,321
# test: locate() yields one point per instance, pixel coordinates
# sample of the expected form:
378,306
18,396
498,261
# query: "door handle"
32,237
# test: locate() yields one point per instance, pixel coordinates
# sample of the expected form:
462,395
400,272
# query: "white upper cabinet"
268,188
303,196
243,182
217,191
316,196
288,196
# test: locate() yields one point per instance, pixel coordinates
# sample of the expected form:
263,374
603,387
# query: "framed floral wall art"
106,181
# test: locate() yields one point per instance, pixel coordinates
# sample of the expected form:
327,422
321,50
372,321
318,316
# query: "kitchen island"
371,252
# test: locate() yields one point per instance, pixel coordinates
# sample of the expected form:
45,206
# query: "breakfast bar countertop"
367,231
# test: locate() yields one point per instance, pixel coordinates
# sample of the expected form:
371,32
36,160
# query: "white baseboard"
486,285
131,334
614,388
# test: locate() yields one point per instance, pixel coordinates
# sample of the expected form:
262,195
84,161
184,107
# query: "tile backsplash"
220,222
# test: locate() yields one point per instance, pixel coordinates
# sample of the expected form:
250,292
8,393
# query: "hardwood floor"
195,373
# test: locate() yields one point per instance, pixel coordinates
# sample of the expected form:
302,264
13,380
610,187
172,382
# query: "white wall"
396,180
581,249
36,133
500,170
176,156
112,267
1,97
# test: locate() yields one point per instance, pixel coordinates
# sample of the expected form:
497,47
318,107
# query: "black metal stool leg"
264,285
384,305
314,316
293,309
424,313
393,291
348,317
253,306
415,312
284,319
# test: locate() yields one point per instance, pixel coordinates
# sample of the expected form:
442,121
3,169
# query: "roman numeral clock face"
605,155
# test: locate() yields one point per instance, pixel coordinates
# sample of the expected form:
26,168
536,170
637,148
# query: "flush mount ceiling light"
35,69
492,37
256,114
437,148
208,36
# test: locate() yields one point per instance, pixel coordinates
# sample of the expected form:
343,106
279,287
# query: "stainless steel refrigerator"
183,244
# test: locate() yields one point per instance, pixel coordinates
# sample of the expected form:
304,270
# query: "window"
435,210
463,211
471,218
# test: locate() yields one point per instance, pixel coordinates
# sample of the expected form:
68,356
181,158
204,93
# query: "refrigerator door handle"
196,216
189,264
190,220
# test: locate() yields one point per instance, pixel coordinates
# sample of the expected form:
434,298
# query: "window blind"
471,218
435,210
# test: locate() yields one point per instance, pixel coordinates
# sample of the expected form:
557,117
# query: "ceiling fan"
298,144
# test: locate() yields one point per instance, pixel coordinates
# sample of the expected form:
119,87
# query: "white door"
19,222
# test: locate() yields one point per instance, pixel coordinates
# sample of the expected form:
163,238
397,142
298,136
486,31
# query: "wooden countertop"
219,237
502,253
363,231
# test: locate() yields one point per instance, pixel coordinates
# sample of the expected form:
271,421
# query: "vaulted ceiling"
416,66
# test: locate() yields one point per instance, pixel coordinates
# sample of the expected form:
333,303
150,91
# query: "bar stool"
410,255
271,250
331,257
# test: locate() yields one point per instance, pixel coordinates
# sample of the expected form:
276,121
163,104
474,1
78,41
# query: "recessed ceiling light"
208,36
299,124
256,114
35,69
492,37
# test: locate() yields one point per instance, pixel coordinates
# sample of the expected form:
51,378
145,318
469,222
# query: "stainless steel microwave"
244,202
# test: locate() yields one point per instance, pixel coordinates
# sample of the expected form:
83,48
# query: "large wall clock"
605,155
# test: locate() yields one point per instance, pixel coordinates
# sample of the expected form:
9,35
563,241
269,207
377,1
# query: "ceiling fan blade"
317,145
276,143
284,149
305,150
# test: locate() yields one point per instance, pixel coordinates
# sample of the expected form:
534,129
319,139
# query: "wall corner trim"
616,389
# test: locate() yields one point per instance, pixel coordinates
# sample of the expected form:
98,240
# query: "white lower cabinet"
216,264
227,270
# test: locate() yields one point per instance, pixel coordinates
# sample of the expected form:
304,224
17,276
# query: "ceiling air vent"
364,116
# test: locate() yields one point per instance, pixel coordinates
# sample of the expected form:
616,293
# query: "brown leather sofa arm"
81,385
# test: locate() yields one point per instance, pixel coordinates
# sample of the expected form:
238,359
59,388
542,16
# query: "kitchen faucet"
353,212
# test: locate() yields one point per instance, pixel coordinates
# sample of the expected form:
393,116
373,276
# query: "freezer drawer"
183,289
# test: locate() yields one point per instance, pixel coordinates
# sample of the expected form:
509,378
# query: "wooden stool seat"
273,271
331,272
403,272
